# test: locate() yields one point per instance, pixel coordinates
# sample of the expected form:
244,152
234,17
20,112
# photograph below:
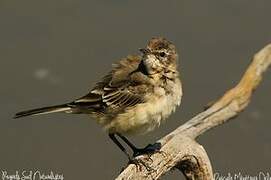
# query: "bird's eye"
162,54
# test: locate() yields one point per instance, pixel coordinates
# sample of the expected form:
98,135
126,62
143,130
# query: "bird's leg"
131,160
149,149
131,145
115,140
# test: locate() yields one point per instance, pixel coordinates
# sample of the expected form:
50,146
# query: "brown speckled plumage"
135,97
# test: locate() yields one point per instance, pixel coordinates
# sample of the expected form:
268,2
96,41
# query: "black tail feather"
44,110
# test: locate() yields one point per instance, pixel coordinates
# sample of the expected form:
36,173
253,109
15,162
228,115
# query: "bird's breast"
145,117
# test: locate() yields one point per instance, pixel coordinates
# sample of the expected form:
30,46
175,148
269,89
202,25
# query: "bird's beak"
144,50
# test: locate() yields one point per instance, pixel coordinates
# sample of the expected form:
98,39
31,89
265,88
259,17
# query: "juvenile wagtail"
137,95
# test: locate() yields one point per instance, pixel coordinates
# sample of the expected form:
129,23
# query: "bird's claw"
149,150
139,163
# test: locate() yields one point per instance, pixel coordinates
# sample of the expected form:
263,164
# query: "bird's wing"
115,91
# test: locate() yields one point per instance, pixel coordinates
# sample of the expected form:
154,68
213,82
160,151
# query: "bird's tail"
44,110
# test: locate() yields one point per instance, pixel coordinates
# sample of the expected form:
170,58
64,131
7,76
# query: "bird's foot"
139,163
148,150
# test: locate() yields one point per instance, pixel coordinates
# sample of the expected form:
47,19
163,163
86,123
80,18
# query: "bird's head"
159,56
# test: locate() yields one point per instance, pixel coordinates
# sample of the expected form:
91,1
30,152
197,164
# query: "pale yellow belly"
145,117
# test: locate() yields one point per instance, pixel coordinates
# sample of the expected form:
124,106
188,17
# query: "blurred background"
53,51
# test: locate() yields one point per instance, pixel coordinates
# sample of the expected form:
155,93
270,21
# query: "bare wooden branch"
179,148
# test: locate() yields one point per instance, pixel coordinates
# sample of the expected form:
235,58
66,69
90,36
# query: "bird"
135,97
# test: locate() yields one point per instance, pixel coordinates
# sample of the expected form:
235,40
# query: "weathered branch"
180,150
